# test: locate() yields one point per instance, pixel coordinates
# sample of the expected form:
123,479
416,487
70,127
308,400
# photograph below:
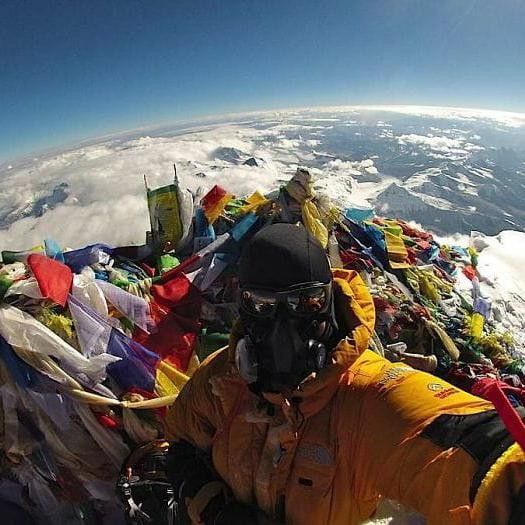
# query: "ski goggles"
304,300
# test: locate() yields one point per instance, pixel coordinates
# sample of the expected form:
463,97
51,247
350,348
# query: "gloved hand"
189,472
236,513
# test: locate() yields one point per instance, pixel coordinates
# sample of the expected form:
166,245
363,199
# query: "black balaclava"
277,353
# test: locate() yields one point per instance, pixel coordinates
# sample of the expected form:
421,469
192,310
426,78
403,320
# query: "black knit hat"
283,255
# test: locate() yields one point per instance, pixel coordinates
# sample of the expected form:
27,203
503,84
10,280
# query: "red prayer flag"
175,310
213,197
493,390
54,278
214,202
470,272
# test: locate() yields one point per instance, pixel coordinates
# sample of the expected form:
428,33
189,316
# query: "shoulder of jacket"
216,364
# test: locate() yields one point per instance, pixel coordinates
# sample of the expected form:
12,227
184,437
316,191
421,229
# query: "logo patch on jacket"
314,453
394,373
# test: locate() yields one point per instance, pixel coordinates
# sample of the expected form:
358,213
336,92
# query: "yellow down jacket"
363,429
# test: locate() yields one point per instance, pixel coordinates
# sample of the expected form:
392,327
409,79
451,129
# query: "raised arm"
430,446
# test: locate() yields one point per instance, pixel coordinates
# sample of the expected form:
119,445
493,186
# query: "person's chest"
285,466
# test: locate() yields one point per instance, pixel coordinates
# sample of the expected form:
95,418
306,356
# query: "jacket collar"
355,309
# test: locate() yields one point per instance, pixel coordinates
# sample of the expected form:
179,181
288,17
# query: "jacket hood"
355,312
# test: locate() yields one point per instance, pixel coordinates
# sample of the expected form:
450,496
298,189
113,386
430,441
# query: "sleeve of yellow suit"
191,421
414,438
193,416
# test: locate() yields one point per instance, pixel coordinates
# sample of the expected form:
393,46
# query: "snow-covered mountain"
450,170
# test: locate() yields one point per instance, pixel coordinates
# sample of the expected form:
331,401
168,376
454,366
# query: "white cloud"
436,143
452,147
505,118
107,201
352,167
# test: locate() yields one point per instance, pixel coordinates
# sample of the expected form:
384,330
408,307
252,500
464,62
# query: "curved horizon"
509,118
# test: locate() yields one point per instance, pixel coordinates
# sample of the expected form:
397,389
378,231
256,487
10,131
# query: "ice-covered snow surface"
502,276
451,170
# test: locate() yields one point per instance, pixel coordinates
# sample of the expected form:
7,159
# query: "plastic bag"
133,307
86,290
21,330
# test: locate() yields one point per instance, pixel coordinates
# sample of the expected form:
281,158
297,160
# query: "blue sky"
75,69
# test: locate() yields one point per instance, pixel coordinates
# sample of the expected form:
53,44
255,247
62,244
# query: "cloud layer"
347,149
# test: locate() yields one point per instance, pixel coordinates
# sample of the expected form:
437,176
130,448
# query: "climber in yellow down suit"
297,422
